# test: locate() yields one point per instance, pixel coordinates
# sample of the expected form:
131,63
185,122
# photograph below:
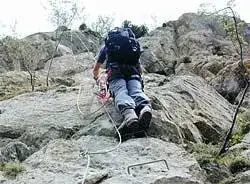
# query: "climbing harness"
103,93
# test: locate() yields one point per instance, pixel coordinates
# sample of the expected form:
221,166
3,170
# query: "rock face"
14,151
81,41
77,41
247,33
186,112
45,43
184,107
195,44
187,103
61,161
64,71
13,83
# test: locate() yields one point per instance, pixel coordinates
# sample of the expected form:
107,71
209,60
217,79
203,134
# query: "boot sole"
130,129
144,121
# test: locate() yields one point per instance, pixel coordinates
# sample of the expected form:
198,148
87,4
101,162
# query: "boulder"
60,161
188,102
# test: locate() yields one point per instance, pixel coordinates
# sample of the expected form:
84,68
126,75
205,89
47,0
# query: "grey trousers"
128,94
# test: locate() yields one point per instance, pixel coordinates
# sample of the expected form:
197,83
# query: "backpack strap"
130,32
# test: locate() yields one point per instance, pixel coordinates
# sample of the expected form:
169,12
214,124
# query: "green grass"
11,169
1,166
208,153
233,162
242,127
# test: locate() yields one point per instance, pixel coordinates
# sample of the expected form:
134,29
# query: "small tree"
155,22
139,31
230,22
62,12
232,26
26,54
103,24
10,29
229,27
206,8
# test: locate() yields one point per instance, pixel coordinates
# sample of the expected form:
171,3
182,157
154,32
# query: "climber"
122,52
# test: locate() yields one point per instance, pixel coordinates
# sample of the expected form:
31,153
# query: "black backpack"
122,46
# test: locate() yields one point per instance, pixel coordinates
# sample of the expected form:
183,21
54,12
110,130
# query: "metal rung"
145,163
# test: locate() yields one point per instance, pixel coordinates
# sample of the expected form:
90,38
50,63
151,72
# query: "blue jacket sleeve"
102,56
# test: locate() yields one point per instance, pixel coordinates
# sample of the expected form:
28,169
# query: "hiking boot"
145,118
130,122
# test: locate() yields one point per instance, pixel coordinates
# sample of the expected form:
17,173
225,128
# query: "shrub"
82,27
139,31
243,127
11,169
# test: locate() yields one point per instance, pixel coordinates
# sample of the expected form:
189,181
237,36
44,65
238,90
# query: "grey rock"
189,102
70,65
60,162
14,151
54,126
81,41
243,178
195,44
246,138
